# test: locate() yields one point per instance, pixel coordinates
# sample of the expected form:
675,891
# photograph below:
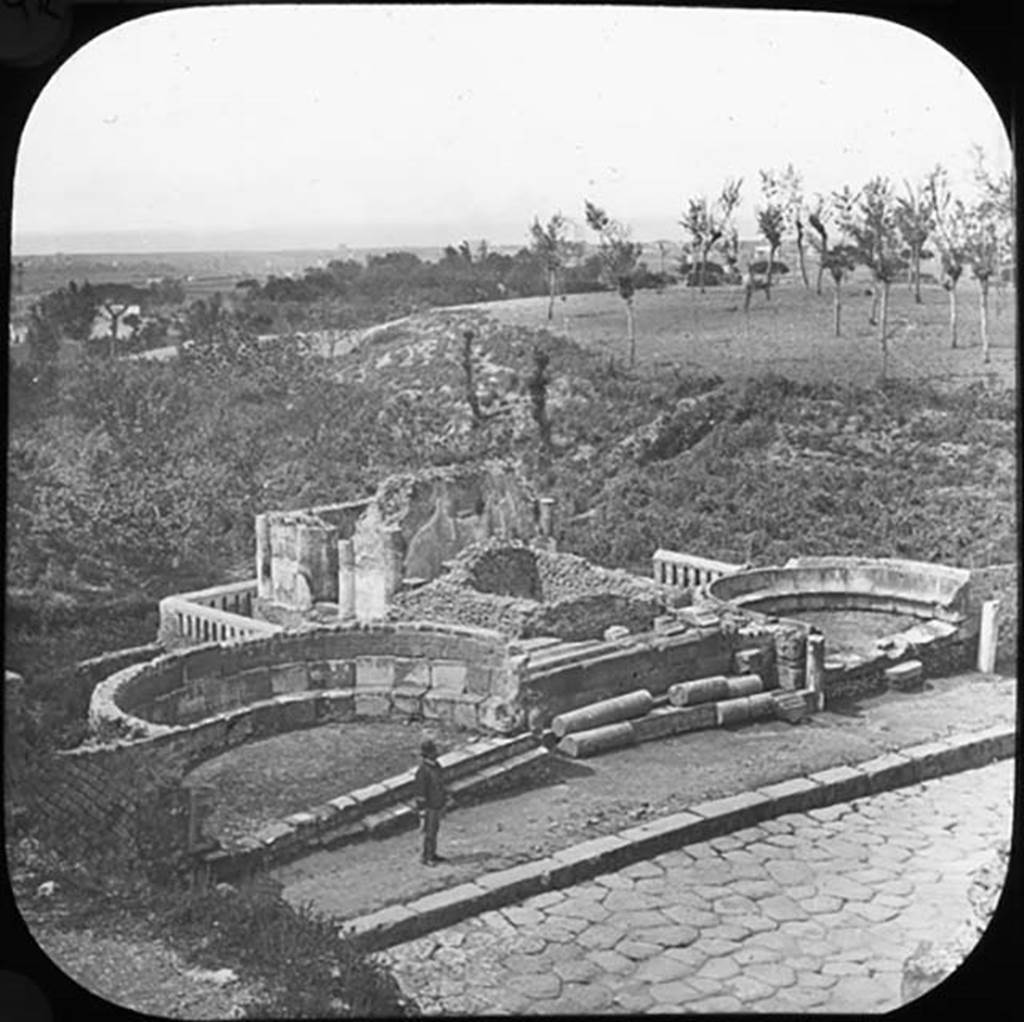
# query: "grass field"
792,334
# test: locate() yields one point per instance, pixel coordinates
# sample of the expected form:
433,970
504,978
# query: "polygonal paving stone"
775,974
711,892
711,872
755,923
897,901
639,920
815,978
668,936
839,967
656,886
800,891
790,872
889,853
762,851
873,911
634,999
706,986
804,963
544,900
577,970
630,901
747,834
826,814
796,1000
750,954
554,953
782,839
614,882
524,964
574,924
687,916
838,848
843,887
580,908
519,916
725,843
748,989
856,994
726,931
780,825
611,961
587,998
781,907
674,993
558,933
637,950
701,850
639,870
662,970
821,903
539,987
754,888
713,947
897,885
733,905
721,1004
600,937
719,968
528,944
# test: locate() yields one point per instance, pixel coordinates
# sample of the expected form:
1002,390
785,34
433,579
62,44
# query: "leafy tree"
771,222
915,222
869,218
553,249
950,217
707,222
791,185
619,258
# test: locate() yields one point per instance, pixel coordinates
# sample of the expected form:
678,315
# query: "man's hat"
428,748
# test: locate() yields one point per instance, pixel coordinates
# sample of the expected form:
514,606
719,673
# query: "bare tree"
771,222
789,190
916,222
950,236
553,249
115,310
838,260
707,222
869,218
619,260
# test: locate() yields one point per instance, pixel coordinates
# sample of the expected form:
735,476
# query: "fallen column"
607,711
580,744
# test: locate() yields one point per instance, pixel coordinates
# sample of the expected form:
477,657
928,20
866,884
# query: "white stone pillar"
264,578
816,668
346,579
988,635
305,566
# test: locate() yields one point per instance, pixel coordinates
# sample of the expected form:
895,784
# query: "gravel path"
812,911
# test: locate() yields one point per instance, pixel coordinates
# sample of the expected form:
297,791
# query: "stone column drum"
394,561
816,668
264,577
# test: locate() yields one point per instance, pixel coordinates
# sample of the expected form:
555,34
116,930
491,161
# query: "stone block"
266,719
841,784
465,710
335,706
373,702
448,675
479,679
285,678
297,713
327,674
796,795
204,662
890,770
191,708
444,908
735,811
589,858
439,706
518,882
254,684
789,676
375,672
408,700
664,834
749,661
371,797
905,677
412,673
238,729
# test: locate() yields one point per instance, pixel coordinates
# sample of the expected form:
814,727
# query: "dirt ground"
573,801
792,334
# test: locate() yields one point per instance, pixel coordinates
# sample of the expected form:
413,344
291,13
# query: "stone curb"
701,822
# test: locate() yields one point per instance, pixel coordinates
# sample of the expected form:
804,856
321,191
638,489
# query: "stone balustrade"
218,614
688,571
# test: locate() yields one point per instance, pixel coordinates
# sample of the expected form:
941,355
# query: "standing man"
430,799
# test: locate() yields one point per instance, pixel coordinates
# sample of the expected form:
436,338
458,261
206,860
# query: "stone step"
390,820
514,765
905,677
790,706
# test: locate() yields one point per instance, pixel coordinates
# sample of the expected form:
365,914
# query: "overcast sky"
314,126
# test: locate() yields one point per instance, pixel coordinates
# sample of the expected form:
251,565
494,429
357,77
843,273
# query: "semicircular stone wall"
913,588
209,698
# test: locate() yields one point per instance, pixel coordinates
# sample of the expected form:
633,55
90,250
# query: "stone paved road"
811,911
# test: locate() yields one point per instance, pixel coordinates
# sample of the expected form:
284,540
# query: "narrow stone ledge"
796,795
734,812
389,925
444,908
841,784
519,882
930,759
663,835
890,770
579,862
